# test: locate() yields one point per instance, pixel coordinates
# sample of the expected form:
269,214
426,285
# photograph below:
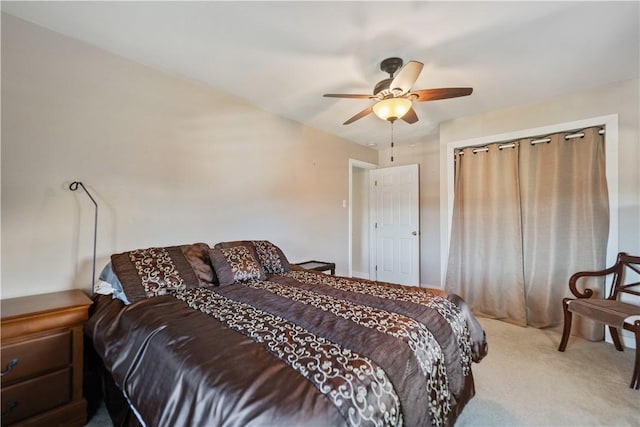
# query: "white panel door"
395,220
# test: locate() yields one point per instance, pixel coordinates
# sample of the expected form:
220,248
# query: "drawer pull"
10,365
10,407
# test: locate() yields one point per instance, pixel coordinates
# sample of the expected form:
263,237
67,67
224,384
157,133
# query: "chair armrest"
587,293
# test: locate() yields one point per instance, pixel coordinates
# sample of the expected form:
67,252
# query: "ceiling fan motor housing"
381,87
391,65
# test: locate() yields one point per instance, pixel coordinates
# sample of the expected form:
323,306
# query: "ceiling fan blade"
410,116
407,76
347,95
442,93
360,115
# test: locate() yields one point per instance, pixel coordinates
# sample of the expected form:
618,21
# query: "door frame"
353,163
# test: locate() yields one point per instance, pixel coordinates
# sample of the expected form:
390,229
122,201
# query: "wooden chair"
611,311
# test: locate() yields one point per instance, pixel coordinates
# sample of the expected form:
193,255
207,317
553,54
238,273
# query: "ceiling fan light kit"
392,109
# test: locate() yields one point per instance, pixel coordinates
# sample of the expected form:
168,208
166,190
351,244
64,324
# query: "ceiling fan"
394,95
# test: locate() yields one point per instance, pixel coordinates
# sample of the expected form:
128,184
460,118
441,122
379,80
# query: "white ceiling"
282,56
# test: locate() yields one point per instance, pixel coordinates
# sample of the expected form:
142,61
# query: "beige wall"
360,222
171,161
168,160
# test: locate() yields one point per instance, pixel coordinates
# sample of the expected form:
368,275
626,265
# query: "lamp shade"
392,108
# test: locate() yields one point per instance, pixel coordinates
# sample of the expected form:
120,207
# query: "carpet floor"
526,381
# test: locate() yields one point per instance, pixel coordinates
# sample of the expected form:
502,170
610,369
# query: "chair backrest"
625,264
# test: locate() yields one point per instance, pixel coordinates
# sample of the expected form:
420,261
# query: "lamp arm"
73,187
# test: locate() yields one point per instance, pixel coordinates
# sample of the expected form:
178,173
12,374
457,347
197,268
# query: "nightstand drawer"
34,396
38,355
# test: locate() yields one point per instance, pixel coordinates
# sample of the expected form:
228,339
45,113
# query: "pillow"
108,276
232,243
146,273
235,264
271,257
197,255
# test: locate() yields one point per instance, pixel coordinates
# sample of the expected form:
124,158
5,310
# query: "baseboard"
627,337
360,275
430,286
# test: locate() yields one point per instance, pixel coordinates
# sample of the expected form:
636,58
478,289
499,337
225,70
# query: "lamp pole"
73,187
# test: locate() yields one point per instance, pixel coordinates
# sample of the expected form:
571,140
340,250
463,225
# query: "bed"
233,335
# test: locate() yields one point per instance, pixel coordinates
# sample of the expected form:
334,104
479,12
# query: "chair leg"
567,325
616,338
635,378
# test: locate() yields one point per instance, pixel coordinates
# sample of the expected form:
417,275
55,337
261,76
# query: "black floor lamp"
73,187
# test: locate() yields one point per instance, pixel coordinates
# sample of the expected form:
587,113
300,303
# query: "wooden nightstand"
41,338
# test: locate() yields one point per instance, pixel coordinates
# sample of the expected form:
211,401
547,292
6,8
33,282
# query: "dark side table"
318,266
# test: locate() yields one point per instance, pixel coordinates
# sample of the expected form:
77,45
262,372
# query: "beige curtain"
485,256
561,227
565,222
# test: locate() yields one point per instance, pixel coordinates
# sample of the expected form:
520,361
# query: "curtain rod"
485,148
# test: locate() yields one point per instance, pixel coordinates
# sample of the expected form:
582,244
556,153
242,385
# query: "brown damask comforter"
298,348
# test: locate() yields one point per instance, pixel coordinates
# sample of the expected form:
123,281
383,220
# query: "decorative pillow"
271,257
233,243
235,264
197,255
146,273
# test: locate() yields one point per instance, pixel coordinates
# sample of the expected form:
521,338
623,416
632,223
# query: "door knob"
415,233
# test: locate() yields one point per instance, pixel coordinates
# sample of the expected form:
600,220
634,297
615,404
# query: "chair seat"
607,311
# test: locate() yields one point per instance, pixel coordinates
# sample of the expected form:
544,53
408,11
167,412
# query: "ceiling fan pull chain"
392,142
